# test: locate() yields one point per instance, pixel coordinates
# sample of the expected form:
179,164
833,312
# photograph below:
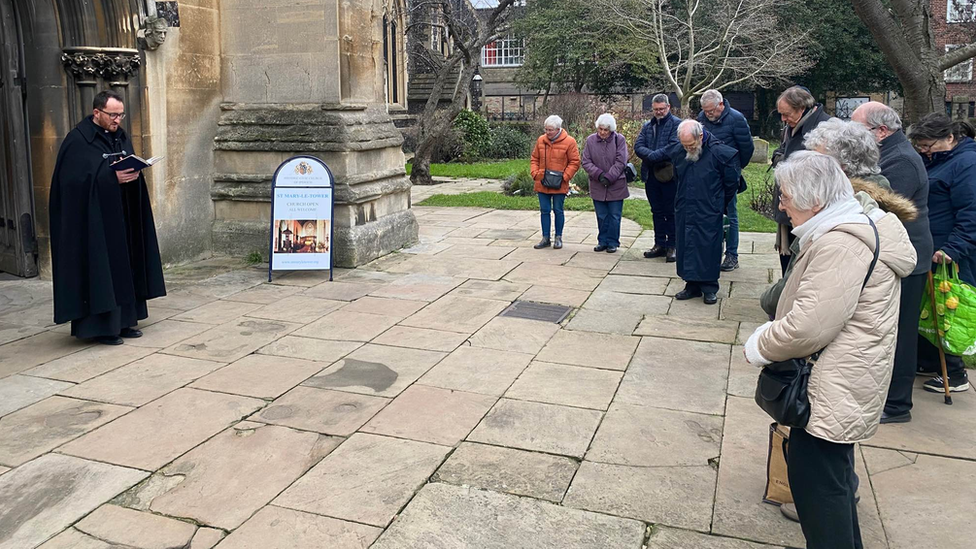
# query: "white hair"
877,115
711,97
691,125
849,143
607,121
554,121
813,180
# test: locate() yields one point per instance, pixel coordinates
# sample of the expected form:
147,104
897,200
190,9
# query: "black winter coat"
103,240
905,170
792,142
656,136
952,205
732,129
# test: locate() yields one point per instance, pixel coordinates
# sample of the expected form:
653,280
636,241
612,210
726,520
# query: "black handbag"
782,388
552,179
630,172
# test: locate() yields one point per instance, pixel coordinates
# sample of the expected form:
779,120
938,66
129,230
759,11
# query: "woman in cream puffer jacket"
823,306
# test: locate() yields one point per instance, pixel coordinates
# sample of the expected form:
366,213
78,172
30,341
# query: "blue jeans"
552,203
608,222
732,239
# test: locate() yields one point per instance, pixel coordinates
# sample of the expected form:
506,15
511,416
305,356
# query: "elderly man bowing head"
708,178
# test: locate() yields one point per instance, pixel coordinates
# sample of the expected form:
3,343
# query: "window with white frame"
961,11
963,72
504,52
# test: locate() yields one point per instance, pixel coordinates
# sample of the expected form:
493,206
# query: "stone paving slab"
12,332
327,351
621,322
518,472
278,528
539,427
419,287
634,284
673,538
514,334
153,435
449,516
477,370
557,295
341,290
456,314
328,412
217,312
744,309
606,351
348,326
24,354
126,527
91,362
296,307
431,414
676,327
673,496
267,458
420,338
41,427
367,479
660,365
652,437
20,391
566,385
616,301
232,341
45,496
463,267
264,294
487,289
259,376
399,308
376,370
547,256
73,539
166,333
553,275
144,380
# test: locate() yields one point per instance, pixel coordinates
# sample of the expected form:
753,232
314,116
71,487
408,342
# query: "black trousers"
706,286
906,348
661,198
784,260
822,481
928,360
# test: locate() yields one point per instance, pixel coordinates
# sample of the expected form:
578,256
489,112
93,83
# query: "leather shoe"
789,511
558,243
611,249
599,248
130,332
897,418
710,299
672,255
109,340
656,251
685,294
544,243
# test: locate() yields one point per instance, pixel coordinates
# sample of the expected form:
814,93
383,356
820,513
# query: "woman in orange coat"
555,161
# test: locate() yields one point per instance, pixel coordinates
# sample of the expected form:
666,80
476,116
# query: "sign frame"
331,210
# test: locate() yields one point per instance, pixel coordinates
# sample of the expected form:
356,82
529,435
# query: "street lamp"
476,91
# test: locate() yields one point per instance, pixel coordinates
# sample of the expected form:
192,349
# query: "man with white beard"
707,172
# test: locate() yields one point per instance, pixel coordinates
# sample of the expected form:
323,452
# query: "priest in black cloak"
103,241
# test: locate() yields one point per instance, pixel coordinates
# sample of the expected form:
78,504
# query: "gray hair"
711,97
797,98
813,180
879,114
849,143
607,121
691,125
661,98
554,121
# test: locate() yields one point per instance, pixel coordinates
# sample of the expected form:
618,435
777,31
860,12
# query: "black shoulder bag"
782,388
552,179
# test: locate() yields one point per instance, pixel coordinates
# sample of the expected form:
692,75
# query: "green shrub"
520,184
475,134
581,181
449,147
508,142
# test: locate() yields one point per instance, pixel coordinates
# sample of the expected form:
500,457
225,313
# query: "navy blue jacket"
903,167
705,189
732,129
656,136
952,205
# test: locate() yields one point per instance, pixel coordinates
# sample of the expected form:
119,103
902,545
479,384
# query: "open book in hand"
133,162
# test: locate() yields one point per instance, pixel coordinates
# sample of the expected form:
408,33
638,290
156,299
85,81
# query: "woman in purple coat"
604,159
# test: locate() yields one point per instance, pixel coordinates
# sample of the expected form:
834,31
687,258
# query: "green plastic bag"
955,313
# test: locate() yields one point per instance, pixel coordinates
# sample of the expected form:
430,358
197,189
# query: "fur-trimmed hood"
885,198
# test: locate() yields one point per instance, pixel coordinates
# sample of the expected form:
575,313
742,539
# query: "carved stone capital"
94,63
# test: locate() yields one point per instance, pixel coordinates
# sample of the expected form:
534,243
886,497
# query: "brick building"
955,24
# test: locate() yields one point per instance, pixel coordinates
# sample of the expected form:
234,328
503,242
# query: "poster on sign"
302,202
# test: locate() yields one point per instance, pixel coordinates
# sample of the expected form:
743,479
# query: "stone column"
307,78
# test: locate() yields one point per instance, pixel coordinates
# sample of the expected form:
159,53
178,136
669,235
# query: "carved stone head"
155,31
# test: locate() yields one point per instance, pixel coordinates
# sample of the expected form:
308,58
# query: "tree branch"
957,56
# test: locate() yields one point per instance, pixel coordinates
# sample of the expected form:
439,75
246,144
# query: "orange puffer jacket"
561,155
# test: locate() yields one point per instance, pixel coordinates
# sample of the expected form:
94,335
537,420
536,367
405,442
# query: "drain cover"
537,311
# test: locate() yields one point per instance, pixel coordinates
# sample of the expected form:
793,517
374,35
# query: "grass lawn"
481,170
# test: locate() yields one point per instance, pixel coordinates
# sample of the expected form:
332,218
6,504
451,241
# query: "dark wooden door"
18,246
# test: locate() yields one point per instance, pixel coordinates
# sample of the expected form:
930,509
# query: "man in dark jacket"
731,128
904,169
708,177
800,113
657,135
103,241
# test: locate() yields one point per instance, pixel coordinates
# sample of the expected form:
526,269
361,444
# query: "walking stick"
938,339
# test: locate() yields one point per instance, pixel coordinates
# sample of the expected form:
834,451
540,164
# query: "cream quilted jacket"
823,306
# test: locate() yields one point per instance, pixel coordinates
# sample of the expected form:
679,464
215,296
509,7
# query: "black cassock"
103,241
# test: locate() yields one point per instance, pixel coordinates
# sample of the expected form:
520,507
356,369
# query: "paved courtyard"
394,408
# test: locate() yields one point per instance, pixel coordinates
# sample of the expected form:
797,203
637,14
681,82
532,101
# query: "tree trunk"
420,171
924,96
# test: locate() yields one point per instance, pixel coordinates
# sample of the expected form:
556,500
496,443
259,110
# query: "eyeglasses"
925,147
114,115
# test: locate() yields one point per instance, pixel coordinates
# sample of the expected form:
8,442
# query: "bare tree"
704,44
467,33
903,30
